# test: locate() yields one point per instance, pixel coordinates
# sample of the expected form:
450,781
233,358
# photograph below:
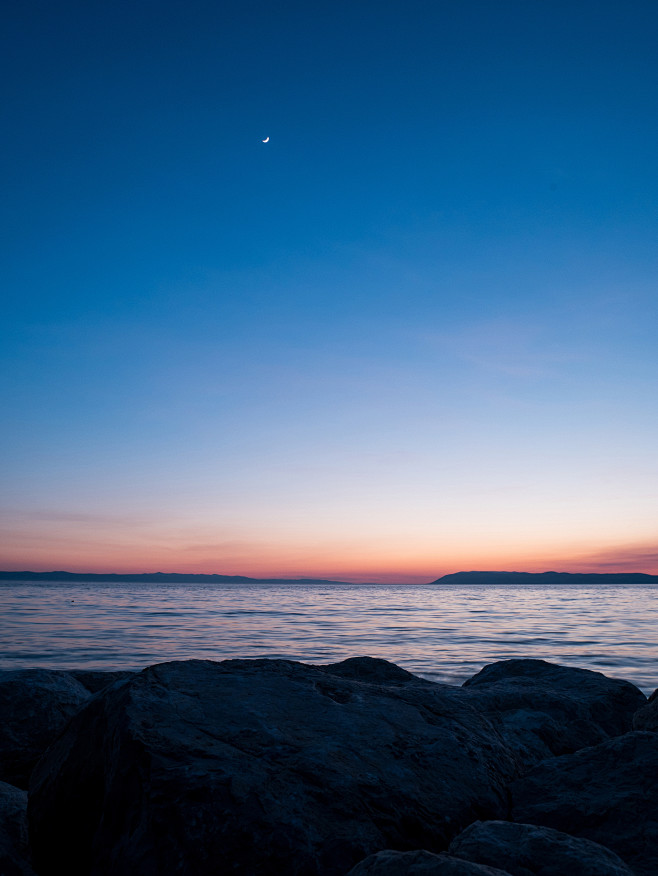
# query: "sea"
445,633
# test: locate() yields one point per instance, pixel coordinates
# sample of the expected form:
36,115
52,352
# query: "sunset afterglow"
413,333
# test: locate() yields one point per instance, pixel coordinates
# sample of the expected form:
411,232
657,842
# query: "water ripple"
445,633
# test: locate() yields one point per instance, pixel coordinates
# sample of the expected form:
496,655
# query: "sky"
411,334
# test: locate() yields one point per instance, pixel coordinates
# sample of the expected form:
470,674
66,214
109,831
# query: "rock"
420,863
14,854
646,717
372,669
268,766
35,704
607,793
542,709
528,850
96,679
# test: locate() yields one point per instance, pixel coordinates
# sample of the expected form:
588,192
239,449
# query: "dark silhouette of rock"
374,670
268,766
35,704
607,793
542,709
420,863
646,717
14,854
96,679
529,850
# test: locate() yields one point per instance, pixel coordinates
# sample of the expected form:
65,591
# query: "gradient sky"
413,333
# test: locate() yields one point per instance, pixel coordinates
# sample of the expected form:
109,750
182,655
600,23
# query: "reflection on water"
445,633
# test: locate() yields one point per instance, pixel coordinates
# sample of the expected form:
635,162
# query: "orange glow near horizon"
384,561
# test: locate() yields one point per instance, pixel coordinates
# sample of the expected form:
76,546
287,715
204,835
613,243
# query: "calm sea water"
444,633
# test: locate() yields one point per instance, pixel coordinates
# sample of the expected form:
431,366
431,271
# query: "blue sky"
412,333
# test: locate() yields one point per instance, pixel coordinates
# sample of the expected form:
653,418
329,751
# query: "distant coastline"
547,578
483,578
156,577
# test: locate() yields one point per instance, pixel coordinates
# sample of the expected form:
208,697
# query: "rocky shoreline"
276,767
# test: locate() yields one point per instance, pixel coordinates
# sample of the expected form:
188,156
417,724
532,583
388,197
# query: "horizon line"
44,575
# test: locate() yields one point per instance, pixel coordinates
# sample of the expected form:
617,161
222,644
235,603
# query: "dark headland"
547,578
517,578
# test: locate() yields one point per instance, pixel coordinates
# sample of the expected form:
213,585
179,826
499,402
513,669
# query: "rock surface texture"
420,863
35,705
96,679
607,793
14,854
543,710
268,765
529,850
646,717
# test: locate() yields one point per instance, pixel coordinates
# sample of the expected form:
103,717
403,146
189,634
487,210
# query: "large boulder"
607,793
36,705
543,710
529,850
420,863
14,854
646,717
268,766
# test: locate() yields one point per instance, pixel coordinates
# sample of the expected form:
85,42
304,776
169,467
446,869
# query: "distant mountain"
547,578
156,578
455,578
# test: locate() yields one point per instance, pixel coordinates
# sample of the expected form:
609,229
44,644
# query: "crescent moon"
266,140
